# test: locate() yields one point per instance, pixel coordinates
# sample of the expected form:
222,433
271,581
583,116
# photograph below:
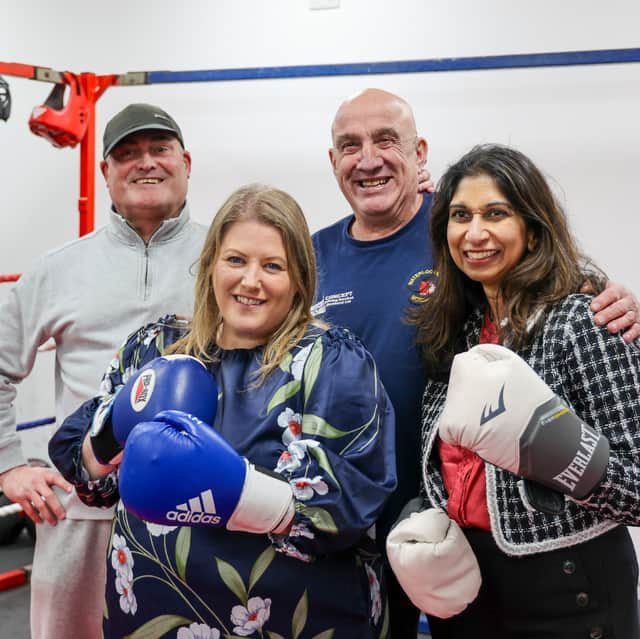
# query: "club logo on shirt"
335,299
421,285
142,390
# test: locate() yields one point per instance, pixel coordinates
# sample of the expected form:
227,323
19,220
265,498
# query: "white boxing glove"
434,563
498,407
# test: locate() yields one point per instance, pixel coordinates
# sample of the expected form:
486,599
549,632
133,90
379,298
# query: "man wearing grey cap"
88,295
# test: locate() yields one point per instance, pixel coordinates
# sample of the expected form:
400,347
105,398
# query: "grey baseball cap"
137,117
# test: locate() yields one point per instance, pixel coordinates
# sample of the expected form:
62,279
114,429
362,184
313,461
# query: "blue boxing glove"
177,470
179,382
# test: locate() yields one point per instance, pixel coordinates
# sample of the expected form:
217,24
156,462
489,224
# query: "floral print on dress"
291,459
128,602
106,385
251,618
290,550
305,487
158,530
198,631
301,530
122,563
299,360
121,558
292,424
374,588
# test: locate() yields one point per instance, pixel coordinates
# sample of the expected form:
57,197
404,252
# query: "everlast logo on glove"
200,509
142,390
573,473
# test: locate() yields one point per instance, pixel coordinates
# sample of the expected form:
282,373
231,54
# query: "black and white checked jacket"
598,375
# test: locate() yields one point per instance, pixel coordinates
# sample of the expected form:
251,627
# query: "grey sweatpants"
68,579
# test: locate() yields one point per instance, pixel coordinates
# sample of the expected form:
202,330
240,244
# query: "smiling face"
486,237
376,157
252,284
146,175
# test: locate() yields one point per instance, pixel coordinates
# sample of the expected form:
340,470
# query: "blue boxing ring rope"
475,63
35,423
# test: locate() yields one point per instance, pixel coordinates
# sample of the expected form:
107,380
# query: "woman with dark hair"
272,532
531,441
549,269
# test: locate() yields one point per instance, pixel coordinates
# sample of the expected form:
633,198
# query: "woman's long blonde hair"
271,206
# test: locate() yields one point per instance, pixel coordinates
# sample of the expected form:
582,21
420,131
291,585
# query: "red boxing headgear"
62,125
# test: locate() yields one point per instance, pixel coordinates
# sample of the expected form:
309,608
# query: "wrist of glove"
104,444
266,503
433,562
560,451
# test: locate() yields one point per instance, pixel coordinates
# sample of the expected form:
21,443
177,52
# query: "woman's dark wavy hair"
553,269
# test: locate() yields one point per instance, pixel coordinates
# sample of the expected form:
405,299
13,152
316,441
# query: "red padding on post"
14,578
10,278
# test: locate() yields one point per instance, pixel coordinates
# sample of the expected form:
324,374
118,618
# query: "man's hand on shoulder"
30,487
617,309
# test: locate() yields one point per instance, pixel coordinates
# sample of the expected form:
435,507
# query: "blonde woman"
296,398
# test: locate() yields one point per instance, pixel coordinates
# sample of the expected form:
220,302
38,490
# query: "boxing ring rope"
476,63
94,86
35,423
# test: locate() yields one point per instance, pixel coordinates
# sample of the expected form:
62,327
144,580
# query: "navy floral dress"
323,421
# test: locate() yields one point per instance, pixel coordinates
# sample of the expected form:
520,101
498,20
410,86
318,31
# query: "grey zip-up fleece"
88,295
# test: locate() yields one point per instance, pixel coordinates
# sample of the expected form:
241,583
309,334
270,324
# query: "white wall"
579,123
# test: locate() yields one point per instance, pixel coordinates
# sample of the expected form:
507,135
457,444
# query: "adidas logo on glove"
200,509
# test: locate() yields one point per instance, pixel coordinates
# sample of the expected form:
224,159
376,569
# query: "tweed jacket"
598,375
